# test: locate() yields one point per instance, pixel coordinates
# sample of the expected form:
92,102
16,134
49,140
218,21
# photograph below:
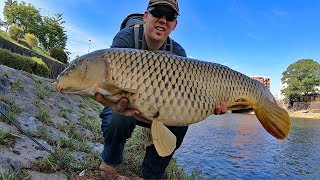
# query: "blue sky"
255,37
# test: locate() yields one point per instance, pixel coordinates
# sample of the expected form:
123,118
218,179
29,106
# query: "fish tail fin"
163,139
273,118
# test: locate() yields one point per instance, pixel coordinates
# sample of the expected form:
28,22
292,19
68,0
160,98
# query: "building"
264,80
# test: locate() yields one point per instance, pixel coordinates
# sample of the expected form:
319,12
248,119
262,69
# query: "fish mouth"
58,86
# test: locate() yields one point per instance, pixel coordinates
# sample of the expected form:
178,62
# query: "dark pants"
116,129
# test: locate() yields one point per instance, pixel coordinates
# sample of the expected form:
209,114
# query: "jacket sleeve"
178,49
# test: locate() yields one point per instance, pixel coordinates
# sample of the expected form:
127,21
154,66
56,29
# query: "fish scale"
171,90
163,81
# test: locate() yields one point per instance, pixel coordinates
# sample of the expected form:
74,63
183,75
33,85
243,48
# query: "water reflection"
236,146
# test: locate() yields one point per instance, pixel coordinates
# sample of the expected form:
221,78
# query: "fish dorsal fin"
163,139
111,89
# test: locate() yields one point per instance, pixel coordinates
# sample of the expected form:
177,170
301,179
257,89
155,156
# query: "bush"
31,65
23,42
31,40
59,54
15,31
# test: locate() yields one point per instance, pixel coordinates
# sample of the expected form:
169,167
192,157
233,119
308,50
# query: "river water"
235,146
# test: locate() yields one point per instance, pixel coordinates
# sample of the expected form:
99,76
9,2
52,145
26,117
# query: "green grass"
8,38
14,107
38,50
51,164
16,85
6,138
45,54
74,145
8,176
91,123
63,127
12,116
6,74
42,132
43,91
43,116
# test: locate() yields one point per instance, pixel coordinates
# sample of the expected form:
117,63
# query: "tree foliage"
23,15
31,40
301,78
48,30
52,33
59,54
15,32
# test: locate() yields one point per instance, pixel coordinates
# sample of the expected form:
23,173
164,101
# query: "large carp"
171,90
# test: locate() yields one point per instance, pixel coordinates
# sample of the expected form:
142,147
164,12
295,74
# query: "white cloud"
1,10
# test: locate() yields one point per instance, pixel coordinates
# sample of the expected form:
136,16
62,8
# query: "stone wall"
313,106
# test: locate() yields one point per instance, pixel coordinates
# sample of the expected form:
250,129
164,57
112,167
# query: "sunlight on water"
236,146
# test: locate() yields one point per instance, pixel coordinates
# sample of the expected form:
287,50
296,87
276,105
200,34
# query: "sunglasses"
159,12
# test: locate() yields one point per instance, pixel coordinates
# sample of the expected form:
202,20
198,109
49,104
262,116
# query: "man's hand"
121,107
221,108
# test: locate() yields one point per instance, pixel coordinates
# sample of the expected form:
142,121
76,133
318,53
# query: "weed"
23,175
36,79
62,113
52,164
63,98
76,134
74,145
93,104
43,91
6,74
43,116
7,176
42,132
91,124
12,116
63,127
16,85
11,103
6,138
37,103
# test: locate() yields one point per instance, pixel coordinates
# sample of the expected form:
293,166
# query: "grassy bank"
304,114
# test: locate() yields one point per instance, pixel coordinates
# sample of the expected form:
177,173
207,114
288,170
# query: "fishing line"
39,144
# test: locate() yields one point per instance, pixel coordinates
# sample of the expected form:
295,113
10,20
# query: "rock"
32,95
41,176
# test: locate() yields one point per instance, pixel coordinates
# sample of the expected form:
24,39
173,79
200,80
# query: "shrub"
59,54
40,67
31,40
32,65
23,42
15,31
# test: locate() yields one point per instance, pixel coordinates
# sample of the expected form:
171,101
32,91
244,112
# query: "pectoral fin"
111,89
163,139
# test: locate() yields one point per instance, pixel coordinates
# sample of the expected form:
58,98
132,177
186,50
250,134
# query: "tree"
48,30
23,15
51,33
301,78
3,23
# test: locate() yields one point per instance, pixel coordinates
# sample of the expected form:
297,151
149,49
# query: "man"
118,121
